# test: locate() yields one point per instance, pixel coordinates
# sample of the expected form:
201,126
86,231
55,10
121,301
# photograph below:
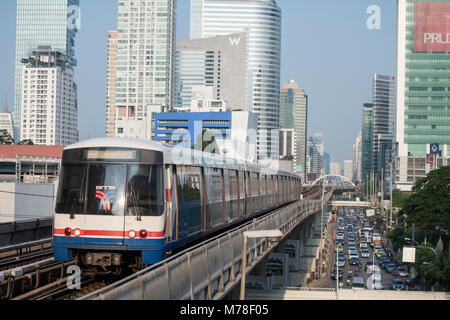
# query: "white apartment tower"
144,64
49,113
357,154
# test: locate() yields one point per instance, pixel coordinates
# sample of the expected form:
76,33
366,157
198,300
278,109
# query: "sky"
327,49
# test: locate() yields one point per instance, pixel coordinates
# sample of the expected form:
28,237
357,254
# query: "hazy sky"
326,48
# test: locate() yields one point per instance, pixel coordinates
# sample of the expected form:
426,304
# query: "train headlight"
77,232
143,234
132,234
68,232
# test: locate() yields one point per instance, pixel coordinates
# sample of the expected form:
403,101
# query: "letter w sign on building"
234,41
432,27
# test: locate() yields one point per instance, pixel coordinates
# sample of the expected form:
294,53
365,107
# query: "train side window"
233,182
214,203
189,199
189,183
242,193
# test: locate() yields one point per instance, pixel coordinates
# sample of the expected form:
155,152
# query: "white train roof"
177,155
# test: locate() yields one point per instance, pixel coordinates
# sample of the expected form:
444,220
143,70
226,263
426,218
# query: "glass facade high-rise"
42,23
384,115
367,141
262,20
423,93
294,115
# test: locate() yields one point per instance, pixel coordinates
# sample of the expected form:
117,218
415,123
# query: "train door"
190,214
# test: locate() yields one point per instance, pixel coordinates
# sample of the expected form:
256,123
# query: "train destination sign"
112,154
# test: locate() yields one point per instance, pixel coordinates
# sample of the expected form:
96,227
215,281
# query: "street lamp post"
337,274
268,234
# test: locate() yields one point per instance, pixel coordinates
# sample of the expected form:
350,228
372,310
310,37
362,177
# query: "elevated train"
127,203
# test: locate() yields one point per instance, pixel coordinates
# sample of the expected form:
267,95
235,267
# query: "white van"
358,283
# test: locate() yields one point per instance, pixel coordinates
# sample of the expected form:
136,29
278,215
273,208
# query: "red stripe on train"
104,233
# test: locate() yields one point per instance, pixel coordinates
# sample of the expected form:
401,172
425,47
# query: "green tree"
399,198
428,207
288,157
5,137
206,142
26,142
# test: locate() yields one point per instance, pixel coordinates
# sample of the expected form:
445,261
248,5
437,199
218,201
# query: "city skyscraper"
367,141
357,154
384,114
261,19
294,115
315,147
335,168
218,62
49,114
326,162
111,84
6,121
348,169
145,60
51,23
423,94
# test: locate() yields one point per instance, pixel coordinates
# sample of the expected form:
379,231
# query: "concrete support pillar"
301,239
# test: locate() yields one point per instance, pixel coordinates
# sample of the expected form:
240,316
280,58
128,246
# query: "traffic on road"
362,258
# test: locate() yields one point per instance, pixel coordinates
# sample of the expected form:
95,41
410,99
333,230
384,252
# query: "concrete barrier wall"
210,270
26,201
14,233
344,294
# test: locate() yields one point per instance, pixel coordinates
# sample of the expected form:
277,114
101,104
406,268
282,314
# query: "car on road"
410,280
358,283
390,267
334,272
341,263
400,273
354,261
363,244
398,284
365,253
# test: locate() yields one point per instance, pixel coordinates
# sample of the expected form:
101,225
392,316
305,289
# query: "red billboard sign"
432,27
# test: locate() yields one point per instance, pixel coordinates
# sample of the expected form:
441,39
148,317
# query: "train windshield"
71,192
105,187
145,195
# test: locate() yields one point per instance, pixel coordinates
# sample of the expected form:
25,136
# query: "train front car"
110,207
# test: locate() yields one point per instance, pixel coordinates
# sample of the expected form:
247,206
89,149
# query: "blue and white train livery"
126,203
